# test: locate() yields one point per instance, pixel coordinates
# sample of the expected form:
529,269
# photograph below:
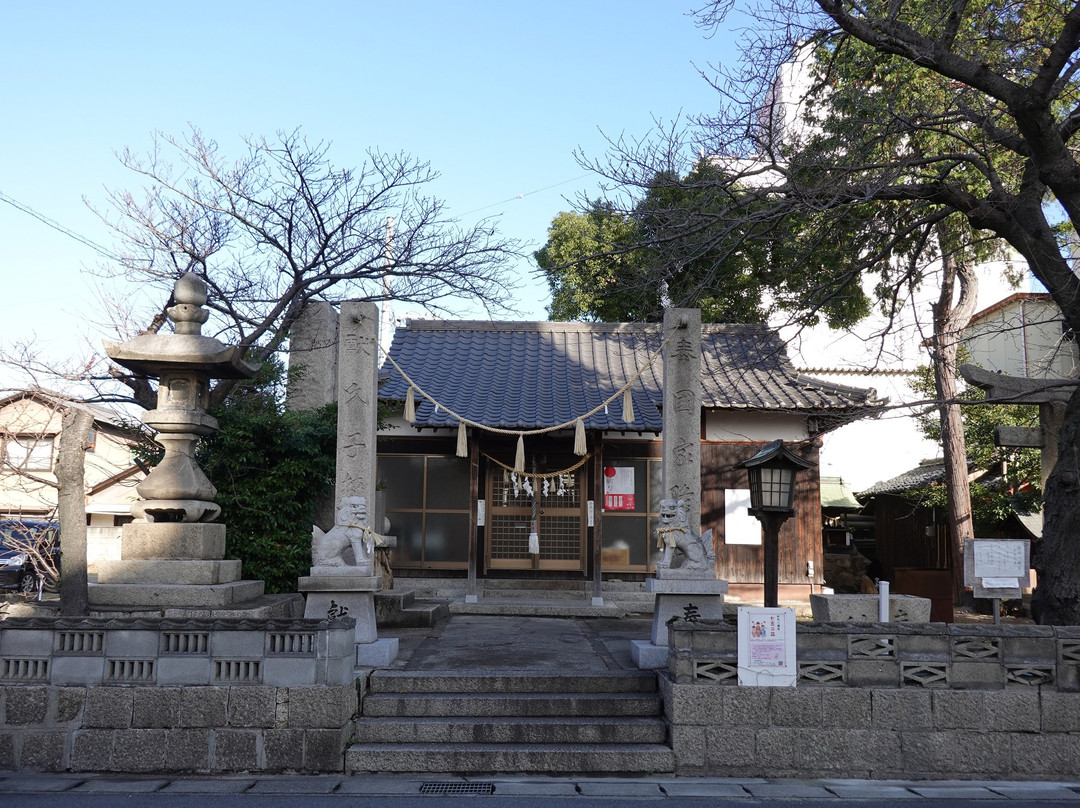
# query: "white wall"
754,427
869,451
1023,338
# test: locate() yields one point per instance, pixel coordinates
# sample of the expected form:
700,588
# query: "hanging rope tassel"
519,456
462,440
579,438
410,406
627,407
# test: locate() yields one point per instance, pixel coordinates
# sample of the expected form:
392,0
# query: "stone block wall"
886,700
175,729
149,695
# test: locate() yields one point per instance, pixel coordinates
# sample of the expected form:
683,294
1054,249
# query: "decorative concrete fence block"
865,609
148,651
875,655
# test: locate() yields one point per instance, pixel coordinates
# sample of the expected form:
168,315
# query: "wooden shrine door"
558,504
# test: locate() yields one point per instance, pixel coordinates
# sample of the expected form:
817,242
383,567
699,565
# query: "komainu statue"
350,530
680,548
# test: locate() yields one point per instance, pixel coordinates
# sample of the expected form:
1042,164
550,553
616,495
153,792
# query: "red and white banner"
619,488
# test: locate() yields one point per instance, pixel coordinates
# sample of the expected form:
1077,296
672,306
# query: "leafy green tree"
272,467
592,267
678,245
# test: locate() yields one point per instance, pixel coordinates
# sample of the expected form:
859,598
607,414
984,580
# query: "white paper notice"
1000,558
767,647
739,526
1001,583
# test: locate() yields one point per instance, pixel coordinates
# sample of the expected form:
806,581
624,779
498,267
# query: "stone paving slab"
1035,791
873,791
120,786
691,788
377,785
286,784
956,792
799,790
619,788
536,789
544,643
217,785
34,784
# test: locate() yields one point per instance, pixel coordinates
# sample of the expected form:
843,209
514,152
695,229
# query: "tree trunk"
70,476
1056,556
949,324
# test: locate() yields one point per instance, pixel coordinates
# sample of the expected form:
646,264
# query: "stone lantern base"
177,569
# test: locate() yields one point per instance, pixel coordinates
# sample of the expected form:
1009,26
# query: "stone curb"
617,788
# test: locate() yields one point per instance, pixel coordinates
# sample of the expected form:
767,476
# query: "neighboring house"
1023,335
838,504
474,514
913,545
30,425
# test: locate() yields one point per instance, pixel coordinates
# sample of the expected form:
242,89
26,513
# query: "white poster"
619,488
767,647
739,526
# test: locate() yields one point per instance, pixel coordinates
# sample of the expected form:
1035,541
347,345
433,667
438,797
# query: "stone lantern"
173,555
177,490
771,473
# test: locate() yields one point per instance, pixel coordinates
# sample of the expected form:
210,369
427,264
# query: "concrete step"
536,608
479,721
498,585
513,730
485,705
529,681
476,758
402,609
532,593
543,598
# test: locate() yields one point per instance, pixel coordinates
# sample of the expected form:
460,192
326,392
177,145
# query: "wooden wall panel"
800,537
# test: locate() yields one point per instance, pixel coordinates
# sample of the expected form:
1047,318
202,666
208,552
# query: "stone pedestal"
865,608
676,596
339,592
178,568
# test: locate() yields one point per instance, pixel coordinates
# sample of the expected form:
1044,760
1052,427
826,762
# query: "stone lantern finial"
188,315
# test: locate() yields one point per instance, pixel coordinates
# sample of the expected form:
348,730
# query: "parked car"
18,569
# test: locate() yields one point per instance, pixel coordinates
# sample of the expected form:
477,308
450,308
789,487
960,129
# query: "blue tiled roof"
533,375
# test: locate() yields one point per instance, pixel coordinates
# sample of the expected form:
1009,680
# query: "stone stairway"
476,722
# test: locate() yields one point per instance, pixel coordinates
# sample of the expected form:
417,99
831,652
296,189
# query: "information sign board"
997,568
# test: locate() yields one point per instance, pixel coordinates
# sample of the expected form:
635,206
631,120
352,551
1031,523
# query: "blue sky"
495,95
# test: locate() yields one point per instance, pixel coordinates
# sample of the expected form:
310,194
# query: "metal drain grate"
457,789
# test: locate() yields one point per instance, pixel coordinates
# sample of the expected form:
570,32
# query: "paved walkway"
484,642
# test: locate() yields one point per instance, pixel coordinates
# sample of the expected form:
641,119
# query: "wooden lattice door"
559,510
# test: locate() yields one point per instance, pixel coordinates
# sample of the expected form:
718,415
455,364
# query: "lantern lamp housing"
772,478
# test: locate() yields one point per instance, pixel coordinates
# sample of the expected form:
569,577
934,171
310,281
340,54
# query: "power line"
522,196
55,225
